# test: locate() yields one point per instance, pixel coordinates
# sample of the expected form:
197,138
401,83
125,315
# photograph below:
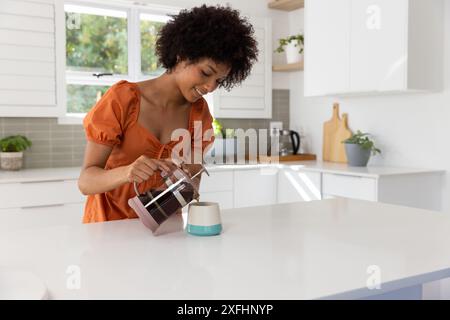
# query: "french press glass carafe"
178,188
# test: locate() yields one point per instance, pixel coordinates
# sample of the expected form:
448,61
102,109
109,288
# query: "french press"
156,205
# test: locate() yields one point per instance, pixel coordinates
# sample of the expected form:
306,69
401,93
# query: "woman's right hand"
144,167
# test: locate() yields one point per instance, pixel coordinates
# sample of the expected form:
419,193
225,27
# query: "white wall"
412,130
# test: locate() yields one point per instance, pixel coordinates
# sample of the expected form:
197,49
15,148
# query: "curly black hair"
214,32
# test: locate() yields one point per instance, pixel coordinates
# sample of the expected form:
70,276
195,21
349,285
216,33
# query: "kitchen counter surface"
369,171
40,174
306,250
70,173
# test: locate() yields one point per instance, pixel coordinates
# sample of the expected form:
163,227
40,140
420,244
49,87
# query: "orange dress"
113,121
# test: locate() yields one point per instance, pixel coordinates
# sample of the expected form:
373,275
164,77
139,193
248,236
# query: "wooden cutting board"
342,133
330,128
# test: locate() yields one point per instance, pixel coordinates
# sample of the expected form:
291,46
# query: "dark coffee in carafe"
157,204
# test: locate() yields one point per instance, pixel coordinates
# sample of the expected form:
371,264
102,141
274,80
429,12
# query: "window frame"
133,11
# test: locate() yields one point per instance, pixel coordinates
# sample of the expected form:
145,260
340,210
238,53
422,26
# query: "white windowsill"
72,118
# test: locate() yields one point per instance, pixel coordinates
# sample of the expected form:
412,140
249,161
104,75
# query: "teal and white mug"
204,219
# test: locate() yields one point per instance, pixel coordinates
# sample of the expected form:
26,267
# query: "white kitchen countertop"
304,250
40,174
369,171
70,173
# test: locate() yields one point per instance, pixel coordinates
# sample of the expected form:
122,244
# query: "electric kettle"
289,142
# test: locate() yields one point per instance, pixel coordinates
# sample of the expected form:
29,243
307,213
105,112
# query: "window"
149,28
105,44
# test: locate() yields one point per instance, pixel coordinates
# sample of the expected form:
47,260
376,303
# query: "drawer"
217,181
349,186
10,210
48,216
39,193
294,186
254,188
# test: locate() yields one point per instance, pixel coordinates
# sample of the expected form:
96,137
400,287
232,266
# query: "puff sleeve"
105,123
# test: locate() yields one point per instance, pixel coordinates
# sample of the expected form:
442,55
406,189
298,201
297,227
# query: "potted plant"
294,47
224,144
11,155
217,127
358,149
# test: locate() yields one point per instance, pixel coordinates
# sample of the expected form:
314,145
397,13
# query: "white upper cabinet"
377,46
327,46
32,58
253,98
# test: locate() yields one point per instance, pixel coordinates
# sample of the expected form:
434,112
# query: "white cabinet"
355,187
369,46
32,58
223,198
59,200
254,188
379,48
253,98
70,214
419,190
241,187
327,47
218,187
39,193
295,185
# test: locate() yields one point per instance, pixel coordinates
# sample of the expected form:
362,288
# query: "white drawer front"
10,210
217,181
52,215
349,186
39,193
294,186
224,198
254,188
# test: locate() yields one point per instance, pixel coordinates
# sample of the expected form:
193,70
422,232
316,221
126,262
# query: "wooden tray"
291,157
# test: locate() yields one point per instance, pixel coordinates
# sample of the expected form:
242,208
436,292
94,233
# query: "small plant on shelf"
293,46
11,155
297,40
16,143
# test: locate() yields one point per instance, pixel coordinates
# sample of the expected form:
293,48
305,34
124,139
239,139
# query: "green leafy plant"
218,129
363,140
299,41
14,143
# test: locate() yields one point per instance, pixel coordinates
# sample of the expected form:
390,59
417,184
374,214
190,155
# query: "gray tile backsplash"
53,145
57,145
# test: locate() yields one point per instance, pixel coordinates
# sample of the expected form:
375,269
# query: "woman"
129,130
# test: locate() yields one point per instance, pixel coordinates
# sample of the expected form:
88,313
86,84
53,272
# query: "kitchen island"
330,249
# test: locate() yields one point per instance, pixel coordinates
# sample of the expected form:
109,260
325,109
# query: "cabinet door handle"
43,206
42,181
346,175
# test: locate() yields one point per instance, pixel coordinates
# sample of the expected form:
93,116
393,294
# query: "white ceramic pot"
292,52
204,219
11,160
